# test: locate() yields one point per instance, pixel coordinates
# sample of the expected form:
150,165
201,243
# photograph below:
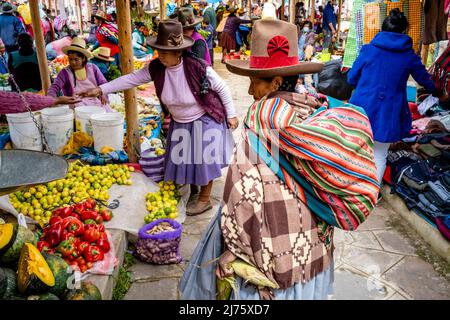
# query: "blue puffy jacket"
380,75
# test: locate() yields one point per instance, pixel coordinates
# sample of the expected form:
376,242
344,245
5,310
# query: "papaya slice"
34,273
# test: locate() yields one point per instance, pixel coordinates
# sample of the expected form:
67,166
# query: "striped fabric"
109,29
326,160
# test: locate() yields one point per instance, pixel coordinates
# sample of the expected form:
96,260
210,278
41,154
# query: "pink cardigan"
11,102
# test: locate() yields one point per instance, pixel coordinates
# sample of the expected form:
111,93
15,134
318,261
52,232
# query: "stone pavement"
379,261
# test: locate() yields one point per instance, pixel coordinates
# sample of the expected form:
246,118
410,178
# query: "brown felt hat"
187,18
170,37
274,52
101,15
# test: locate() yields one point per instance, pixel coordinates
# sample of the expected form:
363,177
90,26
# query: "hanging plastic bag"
333,82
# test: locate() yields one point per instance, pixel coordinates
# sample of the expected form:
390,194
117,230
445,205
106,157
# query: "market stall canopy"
19,168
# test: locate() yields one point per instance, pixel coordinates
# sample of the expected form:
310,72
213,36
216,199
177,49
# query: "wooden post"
89,9
292,11
425,50
339,21
40,45
127,66
313,13
56,8
140,10
79,15
249,4
162,9
105,5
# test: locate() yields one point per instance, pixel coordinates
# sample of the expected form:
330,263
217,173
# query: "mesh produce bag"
162,247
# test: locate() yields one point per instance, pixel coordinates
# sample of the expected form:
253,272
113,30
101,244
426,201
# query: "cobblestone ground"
382,260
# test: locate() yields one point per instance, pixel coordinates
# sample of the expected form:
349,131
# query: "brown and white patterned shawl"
266,225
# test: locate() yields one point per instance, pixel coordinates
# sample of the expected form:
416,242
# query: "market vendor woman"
200,106
79,76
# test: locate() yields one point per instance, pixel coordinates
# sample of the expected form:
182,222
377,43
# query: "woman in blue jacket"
380,75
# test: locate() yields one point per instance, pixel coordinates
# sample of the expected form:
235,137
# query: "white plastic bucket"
83,115
58,127
23,131
108,130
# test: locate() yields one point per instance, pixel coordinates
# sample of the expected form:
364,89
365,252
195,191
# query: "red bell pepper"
43,246
89,221
83,268
55,220
66,248
99,219
73,225
104,245
63,212
89,214
82,245
79,208
66,235
101,228
91,234
107,215
90,204
53,234
93,254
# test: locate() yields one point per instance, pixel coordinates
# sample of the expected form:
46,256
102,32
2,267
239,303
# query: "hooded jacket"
380,75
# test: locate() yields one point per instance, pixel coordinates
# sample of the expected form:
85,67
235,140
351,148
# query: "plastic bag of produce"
159,242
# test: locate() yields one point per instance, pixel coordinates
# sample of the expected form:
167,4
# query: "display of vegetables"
77,234
81,182
163,203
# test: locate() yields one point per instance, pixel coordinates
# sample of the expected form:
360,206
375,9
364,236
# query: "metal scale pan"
24,168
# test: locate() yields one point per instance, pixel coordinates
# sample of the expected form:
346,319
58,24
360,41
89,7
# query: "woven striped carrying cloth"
326,160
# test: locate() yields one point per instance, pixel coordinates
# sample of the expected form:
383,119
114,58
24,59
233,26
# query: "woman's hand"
66,100
103,99
224,269
233,123
93,93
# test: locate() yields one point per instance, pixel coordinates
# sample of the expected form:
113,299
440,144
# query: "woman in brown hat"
293,177
199,104
107,35
200,48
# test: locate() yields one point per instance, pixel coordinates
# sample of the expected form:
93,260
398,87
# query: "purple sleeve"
11,102
127,81
58,85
